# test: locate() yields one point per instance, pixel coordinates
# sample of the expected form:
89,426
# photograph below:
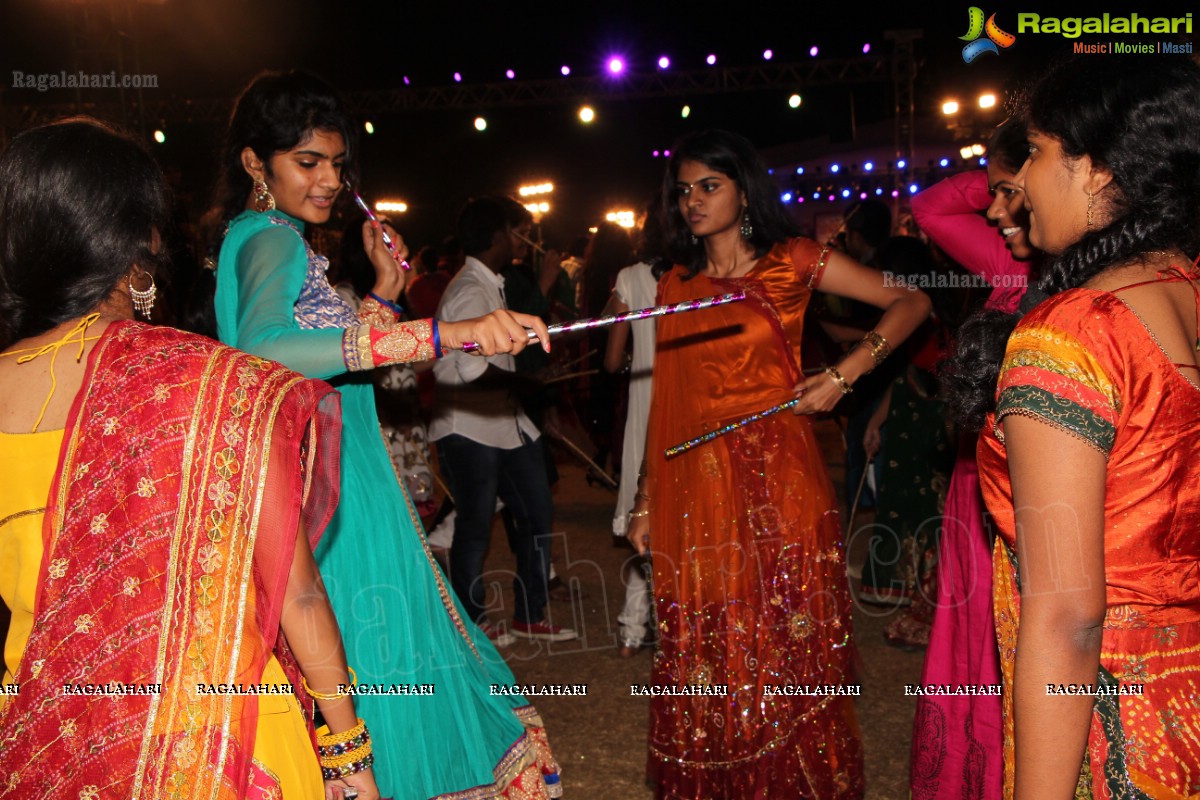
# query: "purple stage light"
565,70
616,65
458,77
768,55
812,51
866,48
510,74
712,59
663,62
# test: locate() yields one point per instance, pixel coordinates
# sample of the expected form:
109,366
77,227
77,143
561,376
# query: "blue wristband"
396,308
437,340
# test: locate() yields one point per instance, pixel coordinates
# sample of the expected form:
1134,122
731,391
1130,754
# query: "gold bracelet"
833,373
879,347
325,696
643,513
346,759
331,739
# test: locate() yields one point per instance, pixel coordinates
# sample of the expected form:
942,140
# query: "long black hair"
1009,145
1138,119
276,112
80,204
733,155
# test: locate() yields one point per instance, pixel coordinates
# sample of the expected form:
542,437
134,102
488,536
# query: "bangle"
879,347
396,308
644,512
437,340
333,696
837,378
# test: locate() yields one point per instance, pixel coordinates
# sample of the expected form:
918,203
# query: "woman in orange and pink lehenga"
749,570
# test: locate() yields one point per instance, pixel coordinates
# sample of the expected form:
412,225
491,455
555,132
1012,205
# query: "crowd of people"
185,513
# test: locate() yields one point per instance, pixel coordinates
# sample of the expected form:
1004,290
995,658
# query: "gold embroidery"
404,342
372,312
145,487
99,524
58,568
84,623
131,587
356,348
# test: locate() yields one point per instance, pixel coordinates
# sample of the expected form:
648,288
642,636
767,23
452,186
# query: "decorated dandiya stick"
366,209
631,316
683,447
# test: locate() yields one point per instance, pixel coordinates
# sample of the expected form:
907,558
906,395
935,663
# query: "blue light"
799,170
786,197
901,164
771,171
816,195
912,188
983,161
845,192
878,191
945,162
834,168
868,166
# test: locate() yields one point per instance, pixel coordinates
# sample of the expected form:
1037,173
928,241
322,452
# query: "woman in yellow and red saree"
1089,458
160,494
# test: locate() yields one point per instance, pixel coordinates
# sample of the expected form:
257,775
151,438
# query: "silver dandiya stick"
632,316
683,447
366,209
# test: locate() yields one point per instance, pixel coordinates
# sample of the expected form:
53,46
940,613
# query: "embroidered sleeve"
368,346
1049,375
373,312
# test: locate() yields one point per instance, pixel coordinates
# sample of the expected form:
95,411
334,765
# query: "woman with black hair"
1090,455
749,572
978,218
288,152
162,494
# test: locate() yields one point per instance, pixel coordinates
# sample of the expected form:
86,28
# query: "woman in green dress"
424,669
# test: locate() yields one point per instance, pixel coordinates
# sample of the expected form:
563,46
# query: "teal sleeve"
271,266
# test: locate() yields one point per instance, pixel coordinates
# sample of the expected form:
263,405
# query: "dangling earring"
1091,197
263,201
143,299
694,239
747,227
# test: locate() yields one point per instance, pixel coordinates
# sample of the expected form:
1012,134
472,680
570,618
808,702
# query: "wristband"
396,308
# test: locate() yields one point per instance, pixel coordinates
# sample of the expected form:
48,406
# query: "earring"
143,299
695,240
263,201
1091,197
747,227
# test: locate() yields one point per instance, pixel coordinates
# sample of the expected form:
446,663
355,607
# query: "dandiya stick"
578,451
683,447
583,357
366,209
632,316
569,376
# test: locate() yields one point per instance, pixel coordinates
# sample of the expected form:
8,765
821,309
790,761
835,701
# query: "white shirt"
491,417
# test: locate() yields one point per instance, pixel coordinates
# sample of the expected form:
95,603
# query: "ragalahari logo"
976,27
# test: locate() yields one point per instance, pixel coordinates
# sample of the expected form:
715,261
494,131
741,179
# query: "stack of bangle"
833,373
344,753
879,347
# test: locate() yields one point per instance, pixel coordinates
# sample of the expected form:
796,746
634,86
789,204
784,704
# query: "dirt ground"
600,739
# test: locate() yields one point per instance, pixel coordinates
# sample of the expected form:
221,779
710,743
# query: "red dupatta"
166,556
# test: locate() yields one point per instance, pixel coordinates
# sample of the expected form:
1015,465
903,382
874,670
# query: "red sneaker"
542,630
499,636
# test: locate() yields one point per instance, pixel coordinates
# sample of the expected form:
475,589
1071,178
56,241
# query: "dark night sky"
434,159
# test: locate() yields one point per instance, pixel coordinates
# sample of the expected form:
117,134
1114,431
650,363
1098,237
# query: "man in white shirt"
487,447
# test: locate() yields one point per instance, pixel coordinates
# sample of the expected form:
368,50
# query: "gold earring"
143,299
1091,197
263,201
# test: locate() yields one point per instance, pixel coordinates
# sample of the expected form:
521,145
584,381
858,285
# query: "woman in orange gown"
753,681
1090,459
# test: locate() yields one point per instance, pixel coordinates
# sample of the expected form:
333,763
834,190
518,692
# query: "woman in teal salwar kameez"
424,670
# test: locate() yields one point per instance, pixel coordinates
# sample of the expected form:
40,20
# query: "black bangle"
396,308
